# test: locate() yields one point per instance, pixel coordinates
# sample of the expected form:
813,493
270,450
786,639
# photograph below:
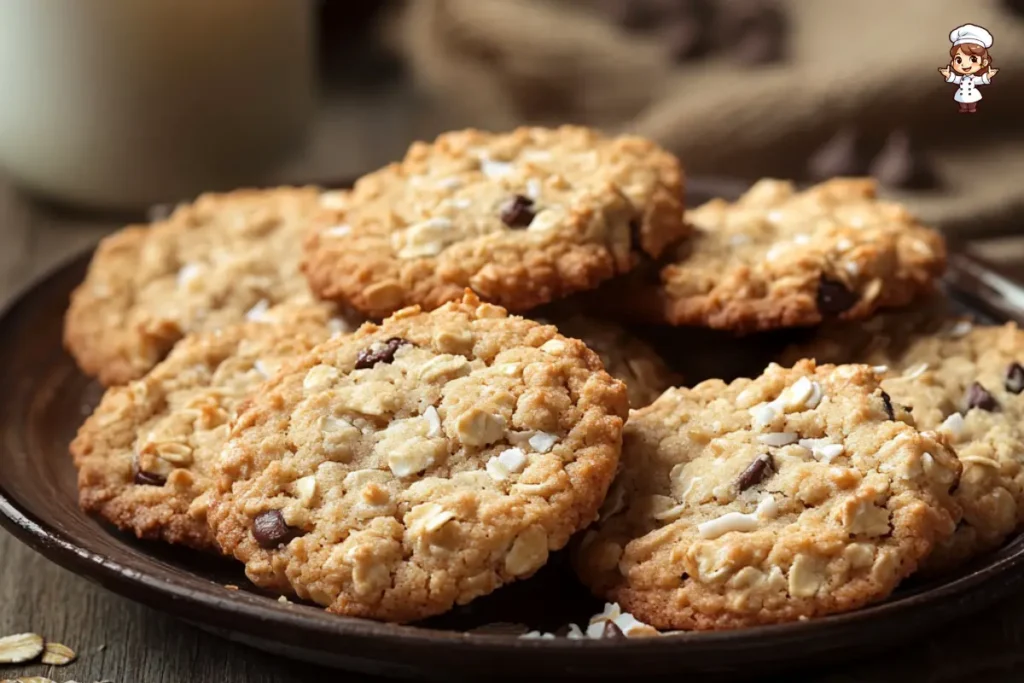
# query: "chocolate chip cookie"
221,260
522,218
800,493
625,357
419,464
146,454
964,381
781,258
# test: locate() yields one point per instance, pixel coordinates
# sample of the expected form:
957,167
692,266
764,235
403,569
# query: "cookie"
521,218
145,455
625,357
796,494
779,258
222,260
964,381
419,464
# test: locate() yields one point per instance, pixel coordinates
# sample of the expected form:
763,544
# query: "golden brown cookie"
146,454
964,381
221,260
522,218
781,258
419,464
796,494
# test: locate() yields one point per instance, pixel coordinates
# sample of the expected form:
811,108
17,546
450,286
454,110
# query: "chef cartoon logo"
970,65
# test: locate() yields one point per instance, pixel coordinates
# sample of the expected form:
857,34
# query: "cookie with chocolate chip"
964,381
792,495
781,258
521,218
474,445
221,260
145,455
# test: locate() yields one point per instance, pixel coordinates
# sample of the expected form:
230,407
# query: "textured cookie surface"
625,357
221,260
522,218
145,456
964,381
781,258
419,464
796,494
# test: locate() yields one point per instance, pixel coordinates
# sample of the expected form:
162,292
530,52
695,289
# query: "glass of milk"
122,104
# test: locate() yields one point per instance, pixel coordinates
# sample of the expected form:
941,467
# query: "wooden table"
125,643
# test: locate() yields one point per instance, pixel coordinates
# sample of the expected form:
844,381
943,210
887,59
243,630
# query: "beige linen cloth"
869,63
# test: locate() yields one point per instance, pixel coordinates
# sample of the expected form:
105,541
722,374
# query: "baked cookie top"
964,381
419,464
221,260
522,218
145,455
799,493
624,356
781,258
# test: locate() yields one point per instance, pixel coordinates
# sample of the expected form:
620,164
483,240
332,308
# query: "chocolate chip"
1014,378
902,165
845,154
887,402
757,471
979,397
148,478
834,298
270,530
611,630
367,358
685,577
517,212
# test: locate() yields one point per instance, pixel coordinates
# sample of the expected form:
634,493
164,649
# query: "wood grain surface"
122,642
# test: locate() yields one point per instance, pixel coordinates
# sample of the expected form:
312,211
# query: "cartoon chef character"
970,65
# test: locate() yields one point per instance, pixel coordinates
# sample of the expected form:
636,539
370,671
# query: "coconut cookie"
781,258
522,218
800,493
222,260
626,358
419,464
964,381
146,454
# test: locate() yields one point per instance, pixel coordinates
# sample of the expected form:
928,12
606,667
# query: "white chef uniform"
968,91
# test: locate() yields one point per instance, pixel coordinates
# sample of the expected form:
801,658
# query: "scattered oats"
284,600
575,632
58,654
258,313
537,635
495,169
822,449
630,626
342,230
231,586
670,514
553,346
954,424
533,188
334,200
979,460
880,369
542,442
20,647
189,272
916,371
778,438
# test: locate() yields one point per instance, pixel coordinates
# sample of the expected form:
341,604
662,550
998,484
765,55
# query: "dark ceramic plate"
43,399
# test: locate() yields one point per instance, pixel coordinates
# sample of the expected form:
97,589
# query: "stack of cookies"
339,389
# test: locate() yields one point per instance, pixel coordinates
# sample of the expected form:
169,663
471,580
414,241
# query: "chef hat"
969,33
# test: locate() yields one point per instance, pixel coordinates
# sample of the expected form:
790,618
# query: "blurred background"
116,106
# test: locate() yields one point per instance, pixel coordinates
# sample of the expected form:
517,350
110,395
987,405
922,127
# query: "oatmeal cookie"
419,464
625,357
964,381
800,493
146,454
780,258
221,260
521,218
